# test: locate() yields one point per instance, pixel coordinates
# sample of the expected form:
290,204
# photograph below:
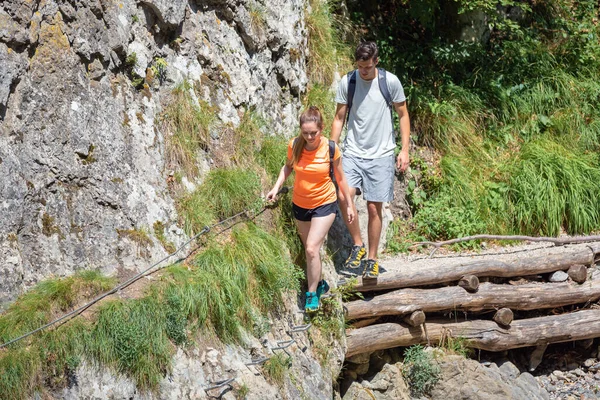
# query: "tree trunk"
489,297
450,271
485,335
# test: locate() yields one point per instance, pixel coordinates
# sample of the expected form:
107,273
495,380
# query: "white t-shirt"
370,129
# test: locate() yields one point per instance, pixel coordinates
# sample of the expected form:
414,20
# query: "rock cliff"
82,155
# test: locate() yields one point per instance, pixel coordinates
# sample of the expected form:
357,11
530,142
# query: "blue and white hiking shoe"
312,302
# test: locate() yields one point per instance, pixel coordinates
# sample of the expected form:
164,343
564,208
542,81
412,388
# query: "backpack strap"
351,89
383,88
331,154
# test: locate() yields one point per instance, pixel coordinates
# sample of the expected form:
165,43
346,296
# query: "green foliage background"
513,119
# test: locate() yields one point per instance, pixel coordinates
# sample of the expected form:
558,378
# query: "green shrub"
420,370
446,217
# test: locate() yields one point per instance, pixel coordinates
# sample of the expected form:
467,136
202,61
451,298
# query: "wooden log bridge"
480,334
432,272
399,313
490,296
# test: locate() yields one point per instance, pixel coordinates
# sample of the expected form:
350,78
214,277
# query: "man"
369,146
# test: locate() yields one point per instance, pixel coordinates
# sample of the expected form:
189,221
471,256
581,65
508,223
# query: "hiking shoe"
356,255
322,288
312,302
371,269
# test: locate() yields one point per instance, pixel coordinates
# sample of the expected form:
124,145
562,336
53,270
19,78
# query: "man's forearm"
405,132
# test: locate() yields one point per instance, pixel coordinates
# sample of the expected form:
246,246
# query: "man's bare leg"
374,228
354,227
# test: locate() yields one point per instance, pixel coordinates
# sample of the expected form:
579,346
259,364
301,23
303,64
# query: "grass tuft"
276,367
225,192
227,284
187,122
130,337
326,54
554,187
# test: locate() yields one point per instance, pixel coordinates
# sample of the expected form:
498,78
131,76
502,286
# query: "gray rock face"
82,156
386,385
467,379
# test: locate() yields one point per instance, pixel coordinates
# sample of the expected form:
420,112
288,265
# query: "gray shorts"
374,177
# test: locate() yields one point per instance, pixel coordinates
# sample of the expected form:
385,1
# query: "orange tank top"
313,186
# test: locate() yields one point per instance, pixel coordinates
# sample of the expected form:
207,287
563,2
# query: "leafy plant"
420,370
159,69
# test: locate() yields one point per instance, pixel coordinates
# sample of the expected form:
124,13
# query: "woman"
314,197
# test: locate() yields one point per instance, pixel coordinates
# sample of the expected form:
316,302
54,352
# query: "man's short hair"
366,51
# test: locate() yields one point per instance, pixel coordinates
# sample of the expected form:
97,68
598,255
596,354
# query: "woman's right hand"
272,195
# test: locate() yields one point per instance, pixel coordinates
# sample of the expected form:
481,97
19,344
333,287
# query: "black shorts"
304,214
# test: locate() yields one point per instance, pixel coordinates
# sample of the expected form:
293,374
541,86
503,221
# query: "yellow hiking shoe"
371,269
356,255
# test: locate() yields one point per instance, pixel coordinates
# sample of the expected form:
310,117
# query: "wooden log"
489,297
479,334
415,319
578,273
451,270
469,282
364,322
503,317
595,248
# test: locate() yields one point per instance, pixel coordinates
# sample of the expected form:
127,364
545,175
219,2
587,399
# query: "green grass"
272,155
455,345
525,167
249,135
228,283
47,299
130,336
187,123
47,357
327,53
227,289
276,368
19,375
225,192
553,187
